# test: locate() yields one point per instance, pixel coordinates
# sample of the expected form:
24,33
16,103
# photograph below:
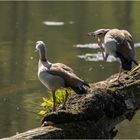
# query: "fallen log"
95,114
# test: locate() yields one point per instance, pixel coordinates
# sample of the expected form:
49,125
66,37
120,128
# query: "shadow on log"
95,114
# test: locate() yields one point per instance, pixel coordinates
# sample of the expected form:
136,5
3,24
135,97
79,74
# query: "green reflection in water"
22,25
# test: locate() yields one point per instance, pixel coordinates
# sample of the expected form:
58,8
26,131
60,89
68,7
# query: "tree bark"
95,114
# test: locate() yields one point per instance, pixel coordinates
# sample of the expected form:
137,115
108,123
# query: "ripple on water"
53,23
137,45
90,45
57,23
96,46
96,57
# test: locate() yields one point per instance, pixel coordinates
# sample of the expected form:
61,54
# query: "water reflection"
98,55
53,23
125,10
22,25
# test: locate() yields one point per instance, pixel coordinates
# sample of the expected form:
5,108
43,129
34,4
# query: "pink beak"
91,34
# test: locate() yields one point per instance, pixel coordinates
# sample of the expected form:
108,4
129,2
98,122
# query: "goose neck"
42,54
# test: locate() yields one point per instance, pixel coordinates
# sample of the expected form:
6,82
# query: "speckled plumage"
57,75
118,43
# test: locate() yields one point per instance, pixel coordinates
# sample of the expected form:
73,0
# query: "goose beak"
91,34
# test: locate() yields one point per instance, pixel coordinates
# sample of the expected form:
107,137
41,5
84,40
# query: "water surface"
61,25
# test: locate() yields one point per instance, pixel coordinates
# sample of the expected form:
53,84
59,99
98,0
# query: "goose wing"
129,43
71,80
125,41
127,35
117,35
127,46
63,66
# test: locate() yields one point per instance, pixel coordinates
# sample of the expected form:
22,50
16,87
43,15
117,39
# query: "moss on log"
95,114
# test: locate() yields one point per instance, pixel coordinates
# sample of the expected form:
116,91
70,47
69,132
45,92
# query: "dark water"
23,23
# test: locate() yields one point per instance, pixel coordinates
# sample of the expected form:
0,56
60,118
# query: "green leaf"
70,91
44,99
42,112
47,103
44,104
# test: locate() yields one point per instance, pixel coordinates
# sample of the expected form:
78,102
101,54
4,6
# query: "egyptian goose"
57,75
118,43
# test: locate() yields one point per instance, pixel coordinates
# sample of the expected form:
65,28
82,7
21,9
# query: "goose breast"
52,82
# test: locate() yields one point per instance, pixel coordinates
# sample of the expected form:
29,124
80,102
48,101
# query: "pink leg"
120,70
118,77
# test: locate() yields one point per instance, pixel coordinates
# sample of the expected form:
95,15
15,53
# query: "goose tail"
81,89
86,84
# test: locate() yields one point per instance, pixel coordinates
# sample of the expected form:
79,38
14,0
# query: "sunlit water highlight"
53,23
57,23
61,24
90,46
96,46
96,56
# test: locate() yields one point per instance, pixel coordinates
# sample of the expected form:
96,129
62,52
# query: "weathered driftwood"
95,114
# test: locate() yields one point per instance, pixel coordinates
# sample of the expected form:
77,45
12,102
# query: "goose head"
98,33
40,45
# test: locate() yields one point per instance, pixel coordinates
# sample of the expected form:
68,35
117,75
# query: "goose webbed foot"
54,110
115,80
61,107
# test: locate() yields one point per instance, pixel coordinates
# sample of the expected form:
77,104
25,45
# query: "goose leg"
118,77
54,101
66,97
104,54
62,106
120,70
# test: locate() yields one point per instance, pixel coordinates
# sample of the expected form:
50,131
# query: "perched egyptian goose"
57,75
118,43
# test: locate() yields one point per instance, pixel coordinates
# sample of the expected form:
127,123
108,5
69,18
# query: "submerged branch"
95,114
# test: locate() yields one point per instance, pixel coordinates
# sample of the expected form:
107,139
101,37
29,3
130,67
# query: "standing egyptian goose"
118,43
57,75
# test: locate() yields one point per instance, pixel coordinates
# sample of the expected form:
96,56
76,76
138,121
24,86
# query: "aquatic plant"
47,103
